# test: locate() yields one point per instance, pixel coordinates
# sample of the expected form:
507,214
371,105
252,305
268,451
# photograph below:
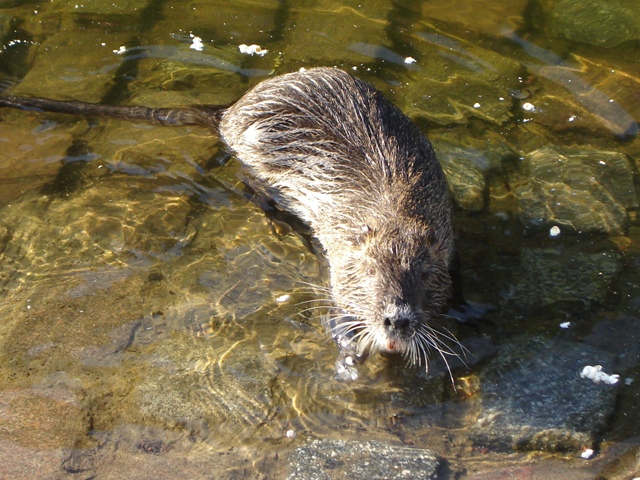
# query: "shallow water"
152,324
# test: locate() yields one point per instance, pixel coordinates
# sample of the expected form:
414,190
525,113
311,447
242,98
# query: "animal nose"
397,317
397,323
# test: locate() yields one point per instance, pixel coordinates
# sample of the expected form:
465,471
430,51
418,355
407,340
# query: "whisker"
308,286
438,334
357,332
314,308
329,300
365,340
433,341
442,331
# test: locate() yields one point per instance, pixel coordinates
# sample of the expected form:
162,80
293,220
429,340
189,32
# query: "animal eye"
371,271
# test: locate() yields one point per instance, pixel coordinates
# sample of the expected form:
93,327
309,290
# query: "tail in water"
207,115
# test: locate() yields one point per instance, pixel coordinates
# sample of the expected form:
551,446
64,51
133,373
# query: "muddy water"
153,324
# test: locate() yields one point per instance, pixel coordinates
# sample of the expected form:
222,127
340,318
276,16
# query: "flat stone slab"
328,459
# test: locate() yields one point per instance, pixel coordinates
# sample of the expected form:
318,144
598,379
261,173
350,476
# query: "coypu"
332,150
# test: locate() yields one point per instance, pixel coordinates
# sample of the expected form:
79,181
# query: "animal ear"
364,234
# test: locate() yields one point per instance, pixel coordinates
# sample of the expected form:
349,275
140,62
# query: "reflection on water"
596,101
152,320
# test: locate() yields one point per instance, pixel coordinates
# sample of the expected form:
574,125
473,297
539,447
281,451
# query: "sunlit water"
150,311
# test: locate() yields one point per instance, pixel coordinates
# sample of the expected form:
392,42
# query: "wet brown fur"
331,149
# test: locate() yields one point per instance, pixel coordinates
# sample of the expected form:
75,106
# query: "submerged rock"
565,274
327,459
467,161
584,189
218,387
592,22
315,40
624,466
596,100
488,19
534,398
465,82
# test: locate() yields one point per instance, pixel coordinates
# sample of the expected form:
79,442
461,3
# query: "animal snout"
397,322
397,317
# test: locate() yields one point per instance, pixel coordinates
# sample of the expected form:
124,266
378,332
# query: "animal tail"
208,115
